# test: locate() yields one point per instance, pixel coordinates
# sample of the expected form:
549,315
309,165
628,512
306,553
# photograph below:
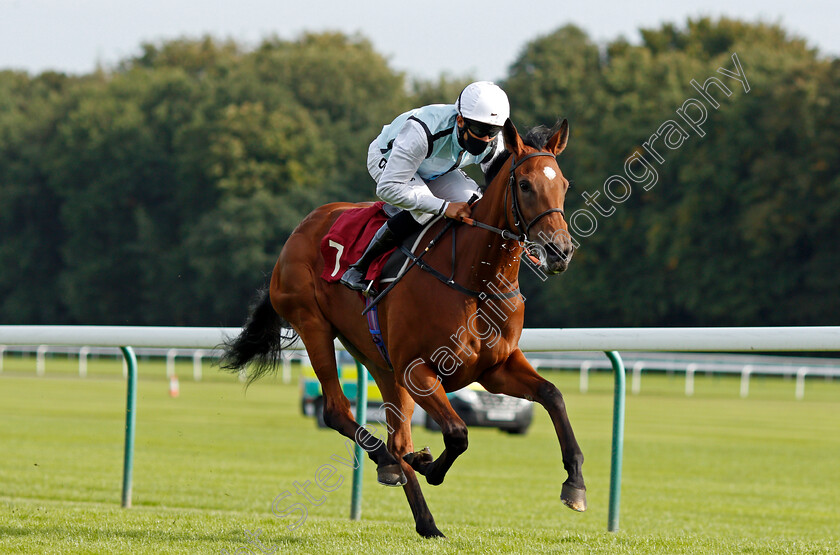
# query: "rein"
450,281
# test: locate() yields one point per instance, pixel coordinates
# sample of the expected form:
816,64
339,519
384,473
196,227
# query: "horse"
441,335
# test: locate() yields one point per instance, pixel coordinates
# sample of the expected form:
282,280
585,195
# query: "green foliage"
30,229
161,193
728,234
444,90
349,92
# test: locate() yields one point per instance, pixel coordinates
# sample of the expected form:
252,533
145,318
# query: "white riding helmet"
485,102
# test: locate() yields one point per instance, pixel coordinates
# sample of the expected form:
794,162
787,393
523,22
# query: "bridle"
515,209
517,212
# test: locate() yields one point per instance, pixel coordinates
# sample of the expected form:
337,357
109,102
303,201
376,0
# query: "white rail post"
287,368
83,361
41,360
584,375
2,354
637,377
197,356
170,362
745,380
800,383
689,379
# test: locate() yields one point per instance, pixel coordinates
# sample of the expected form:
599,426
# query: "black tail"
261,342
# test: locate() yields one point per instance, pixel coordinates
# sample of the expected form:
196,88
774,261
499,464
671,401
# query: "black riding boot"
354,277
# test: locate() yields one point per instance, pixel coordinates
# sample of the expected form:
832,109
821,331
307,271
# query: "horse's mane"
536,137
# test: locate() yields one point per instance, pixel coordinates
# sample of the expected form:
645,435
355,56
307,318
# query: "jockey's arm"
399,185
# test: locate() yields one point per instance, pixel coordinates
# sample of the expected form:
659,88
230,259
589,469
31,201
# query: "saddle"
350,235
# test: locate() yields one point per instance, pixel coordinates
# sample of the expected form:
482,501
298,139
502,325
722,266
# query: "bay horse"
440,336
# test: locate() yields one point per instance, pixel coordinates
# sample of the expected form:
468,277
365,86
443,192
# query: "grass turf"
708,474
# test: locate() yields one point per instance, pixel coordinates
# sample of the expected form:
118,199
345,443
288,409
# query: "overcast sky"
423,38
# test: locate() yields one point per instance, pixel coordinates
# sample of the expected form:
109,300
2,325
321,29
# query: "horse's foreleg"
516,377
398,412
337,414
425,388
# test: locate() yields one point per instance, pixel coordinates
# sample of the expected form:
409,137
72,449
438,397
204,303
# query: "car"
480,408
475,405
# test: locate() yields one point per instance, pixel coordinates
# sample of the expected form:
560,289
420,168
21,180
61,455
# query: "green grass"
708,474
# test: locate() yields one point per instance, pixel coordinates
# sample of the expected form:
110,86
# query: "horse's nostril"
555,251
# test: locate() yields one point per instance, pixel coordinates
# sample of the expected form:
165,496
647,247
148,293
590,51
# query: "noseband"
515,209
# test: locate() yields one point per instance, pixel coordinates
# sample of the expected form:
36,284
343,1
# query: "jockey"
416,162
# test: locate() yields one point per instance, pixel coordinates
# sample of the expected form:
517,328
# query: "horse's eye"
524,186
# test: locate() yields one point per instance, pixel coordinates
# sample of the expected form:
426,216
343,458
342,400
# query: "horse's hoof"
419,460
391,475
573,497
434,479
429,531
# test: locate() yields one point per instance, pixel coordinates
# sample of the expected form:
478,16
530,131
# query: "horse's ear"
513,142
557,143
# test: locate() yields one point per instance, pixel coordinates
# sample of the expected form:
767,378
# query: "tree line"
160,192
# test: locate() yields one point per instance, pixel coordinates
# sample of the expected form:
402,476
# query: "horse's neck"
489,262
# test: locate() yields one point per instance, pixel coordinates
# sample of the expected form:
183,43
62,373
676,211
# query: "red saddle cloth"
348,238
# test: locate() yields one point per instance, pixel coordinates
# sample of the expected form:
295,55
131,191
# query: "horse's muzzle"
557,257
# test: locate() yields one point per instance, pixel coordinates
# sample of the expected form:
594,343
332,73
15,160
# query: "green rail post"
617,439
361,418
130,421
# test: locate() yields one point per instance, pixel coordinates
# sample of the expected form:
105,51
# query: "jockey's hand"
458,210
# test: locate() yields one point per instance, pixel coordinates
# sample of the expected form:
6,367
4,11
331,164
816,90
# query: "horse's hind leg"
518,378
337,415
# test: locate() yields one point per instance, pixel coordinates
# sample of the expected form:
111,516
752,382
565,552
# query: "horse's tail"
261,342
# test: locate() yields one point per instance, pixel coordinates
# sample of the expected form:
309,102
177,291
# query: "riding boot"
383,240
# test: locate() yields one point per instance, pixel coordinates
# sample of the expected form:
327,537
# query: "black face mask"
471,144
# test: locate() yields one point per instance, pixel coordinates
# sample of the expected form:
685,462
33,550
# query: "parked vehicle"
478,407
